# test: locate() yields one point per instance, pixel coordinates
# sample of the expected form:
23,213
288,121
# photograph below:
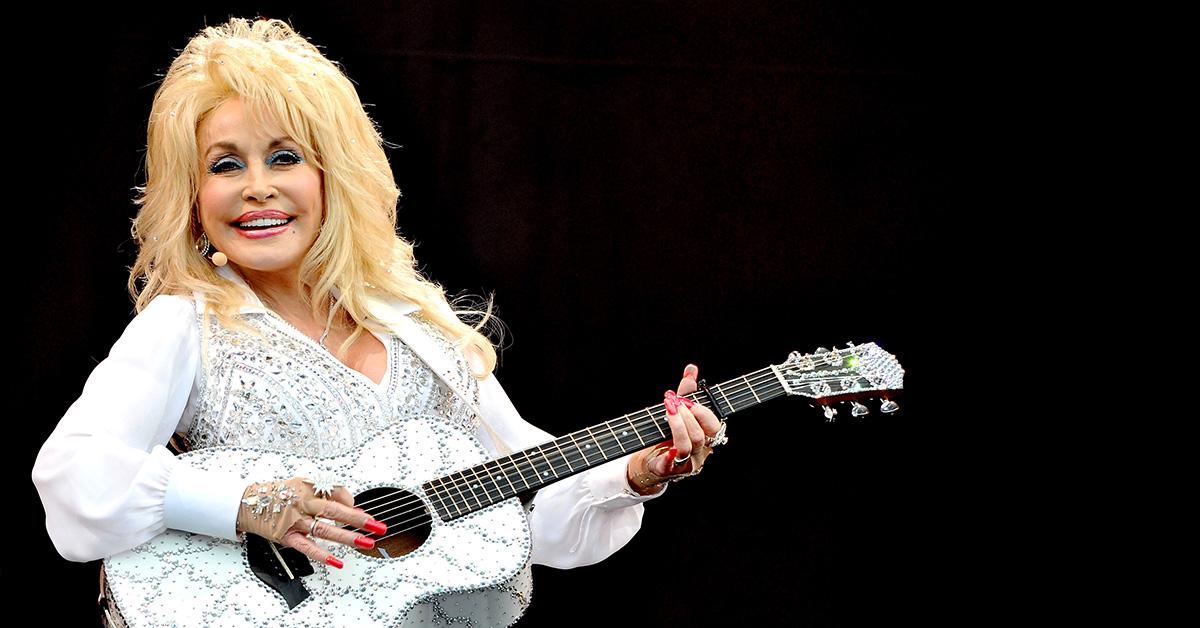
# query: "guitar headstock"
843,375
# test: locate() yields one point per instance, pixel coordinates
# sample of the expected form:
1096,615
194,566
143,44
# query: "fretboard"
478,487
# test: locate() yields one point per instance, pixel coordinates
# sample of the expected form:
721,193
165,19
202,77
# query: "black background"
641,185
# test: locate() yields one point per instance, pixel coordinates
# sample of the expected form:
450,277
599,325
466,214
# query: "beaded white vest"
283,391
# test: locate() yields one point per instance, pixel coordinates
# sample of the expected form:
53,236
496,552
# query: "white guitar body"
473,566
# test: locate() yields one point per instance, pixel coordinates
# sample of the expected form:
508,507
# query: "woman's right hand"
284,511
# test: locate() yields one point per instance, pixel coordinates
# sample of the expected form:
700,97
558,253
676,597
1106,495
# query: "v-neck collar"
392,313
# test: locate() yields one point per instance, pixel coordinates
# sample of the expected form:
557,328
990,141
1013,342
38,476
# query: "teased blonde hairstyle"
283,81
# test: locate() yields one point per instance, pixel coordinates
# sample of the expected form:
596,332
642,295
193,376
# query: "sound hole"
406,516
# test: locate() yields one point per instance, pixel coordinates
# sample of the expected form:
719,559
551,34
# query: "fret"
433,492
504,473
582,450
728,403
481,472
748,385
556,462
598,445
603,449
448,492
564,456
449,495
472,485
531,467
573,448
462,482
543,475
633,426
616,438
658,422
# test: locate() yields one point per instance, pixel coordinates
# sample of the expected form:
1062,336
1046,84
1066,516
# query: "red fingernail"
673,454
671,406
332,561
690,370
365,542
375,527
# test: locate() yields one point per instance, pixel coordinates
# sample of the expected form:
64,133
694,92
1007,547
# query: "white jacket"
108,482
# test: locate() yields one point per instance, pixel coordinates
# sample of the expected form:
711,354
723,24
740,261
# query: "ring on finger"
313,528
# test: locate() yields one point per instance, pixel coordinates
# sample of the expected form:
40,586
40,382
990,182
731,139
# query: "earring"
204,246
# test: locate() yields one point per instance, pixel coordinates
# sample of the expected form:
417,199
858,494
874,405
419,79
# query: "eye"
219,166
290,158
226,163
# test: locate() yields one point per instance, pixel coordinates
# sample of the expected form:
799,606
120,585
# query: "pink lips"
262,213
263,233
257,234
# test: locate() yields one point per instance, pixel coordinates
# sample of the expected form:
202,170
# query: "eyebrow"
234,147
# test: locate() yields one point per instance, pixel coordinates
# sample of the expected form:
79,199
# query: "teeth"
263,222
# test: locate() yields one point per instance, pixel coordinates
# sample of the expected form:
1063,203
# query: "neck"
476,488
283,293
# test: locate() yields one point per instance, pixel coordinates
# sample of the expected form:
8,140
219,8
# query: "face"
260,198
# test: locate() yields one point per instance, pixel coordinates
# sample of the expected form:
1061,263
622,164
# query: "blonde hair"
282,80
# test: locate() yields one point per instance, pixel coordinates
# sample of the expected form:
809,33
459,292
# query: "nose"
258,184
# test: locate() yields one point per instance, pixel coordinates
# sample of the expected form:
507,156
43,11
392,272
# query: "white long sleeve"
580,520
108,483
105,478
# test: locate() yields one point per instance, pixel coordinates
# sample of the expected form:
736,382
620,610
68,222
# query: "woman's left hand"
691,426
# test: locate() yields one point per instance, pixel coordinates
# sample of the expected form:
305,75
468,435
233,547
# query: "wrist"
640,479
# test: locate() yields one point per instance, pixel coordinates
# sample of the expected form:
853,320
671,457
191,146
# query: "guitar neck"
481,486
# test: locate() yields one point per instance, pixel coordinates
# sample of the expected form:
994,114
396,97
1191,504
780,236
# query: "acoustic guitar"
447,533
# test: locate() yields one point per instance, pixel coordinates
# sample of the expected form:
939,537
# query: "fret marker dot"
625,433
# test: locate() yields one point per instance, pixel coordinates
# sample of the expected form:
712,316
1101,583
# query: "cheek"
212,206
204,202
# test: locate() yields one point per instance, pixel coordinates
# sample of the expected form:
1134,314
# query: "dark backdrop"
641,185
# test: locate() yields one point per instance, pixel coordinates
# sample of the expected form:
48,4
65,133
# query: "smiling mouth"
260,224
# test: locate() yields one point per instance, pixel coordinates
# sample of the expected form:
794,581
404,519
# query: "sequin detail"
283,392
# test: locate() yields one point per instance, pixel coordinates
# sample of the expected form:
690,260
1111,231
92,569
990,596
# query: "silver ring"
313,528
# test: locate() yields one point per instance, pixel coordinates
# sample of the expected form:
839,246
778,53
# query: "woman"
278,310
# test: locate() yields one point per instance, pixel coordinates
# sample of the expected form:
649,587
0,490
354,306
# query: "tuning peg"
888,406
858,409
830,412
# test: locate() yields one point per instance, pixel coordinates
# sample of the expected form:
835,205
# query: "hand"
299,506
691,425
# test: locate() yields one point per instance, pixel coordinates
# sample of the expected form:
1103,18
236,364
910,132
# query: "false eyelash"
212,166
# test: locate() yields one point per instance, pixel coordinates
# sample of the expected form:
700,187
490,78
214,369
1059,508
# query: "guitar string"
445,489
422,518
654,415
